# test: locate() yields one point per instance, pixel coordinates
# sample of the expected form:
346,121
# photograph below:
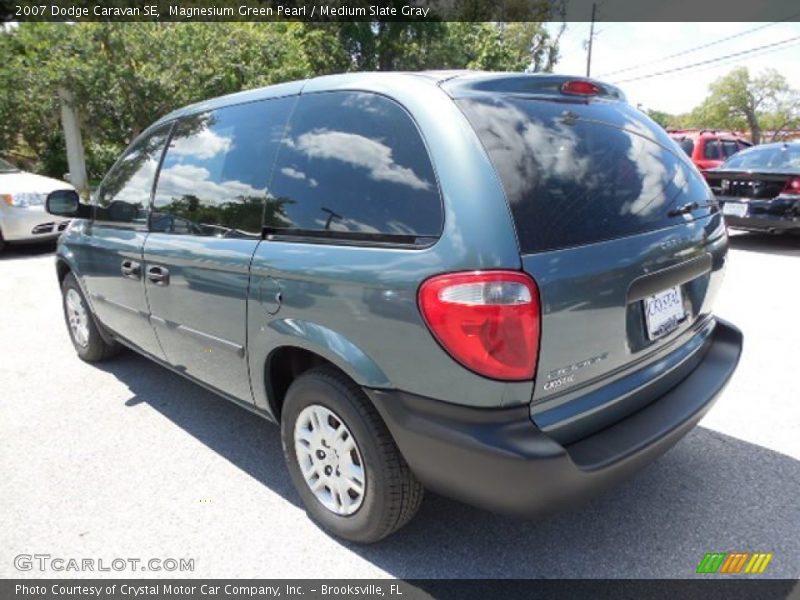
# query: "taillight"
580,88
792,186
487,320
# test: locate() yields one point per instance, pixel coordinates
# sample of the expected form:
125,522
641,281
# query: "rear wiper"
689,207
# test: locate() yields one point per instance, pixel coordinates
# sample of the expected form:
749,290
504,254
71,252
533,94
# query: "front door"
113,271
205,226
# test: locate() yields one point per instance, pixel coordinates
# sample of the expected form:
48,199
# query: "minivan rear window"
578,173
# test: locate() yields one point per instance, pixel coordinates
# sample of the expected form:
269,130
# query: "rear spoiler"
530,84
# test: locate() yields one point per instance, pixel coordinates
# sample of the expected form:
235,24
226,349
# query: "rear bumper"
764,222
781,213
499,460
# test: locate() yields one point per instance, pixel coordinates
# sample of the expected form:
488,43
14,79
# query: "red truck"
708,148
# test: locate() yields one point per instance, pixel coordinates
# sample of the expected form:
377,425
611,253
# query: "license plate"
663,312
735,209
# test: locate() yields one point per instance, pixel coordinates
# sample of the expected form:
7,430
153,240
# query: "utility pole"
591,39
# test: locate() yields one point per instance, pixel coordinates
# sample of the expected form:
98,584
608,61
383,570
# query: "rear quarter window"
353,165
575,174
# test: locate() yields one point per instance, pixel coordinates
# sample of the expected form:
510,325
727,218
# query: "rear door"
625,264
112,269
205,226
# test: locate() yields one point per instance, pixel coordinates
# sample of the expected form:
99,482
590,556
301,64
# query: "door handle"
158,274
131,269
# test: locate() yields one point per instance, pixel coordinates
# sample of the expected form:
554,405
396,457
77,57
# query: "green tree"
740,101
662,118
125,75
500,46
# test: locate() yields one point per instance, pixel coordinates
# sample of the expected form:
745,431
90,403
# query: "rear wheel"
83,330
343,461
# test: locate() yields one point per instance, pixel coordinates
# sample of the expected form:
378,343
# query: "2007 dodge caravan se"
495,286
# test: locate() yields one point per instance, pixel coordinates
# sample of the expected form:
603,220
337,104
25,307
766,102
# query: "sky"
619,46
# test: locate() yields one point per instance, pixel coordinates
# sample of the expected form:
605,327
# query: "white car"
22,214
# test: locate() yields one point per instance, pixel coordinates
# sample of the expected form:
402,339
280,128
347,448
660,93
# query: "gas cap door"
270,294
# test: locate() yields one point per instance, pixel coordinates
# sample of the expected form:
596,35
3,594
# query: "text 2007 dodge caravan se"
495,286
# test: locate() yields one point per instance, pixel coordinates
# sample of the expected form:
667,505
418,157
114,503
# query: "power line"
709,61
761,52
696,48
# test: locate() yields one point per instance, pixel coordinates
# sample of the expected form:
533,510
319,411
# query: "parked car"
759,189
707,148
22,214
495,286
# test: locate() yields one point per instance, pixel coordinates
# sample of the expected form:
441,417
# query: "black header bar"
396,10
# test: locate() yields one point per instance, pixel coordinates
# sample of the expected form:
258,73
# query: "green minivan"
495,286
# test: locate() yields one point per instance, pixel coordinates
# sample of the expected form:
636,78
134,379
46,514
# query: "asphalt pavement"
128,460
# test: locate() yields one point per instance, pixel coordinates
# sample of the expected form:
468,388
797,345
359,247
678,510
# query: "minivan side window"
124,196
213,181
352,166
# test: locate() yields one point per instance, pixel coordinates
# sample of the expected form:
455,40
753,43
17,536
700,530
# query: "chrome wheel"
329,460
78,318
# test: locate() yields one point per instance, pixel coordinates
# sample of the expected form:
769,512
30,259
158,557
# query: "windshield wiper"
689,207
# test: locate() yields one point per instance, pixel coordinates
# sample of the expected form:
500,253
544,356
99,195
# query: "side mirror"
66,203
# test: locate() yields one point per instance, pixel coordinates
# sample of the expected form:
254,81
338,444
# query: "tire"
391,494
2,242
81,325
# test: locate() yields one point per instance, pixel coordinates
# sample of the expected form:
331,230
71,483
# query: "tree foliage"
740,101
125,75
659,116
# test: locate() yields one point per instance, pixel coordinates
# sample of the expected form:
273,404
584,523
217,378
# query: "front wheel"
343,461
83,331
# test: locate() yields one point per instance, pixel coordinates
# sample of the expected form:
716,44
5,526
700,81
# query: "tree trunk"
72,137
755,133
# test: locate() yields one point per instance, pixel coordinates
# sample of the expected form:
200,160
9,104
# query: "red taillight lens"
792,186
580,88
487,320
